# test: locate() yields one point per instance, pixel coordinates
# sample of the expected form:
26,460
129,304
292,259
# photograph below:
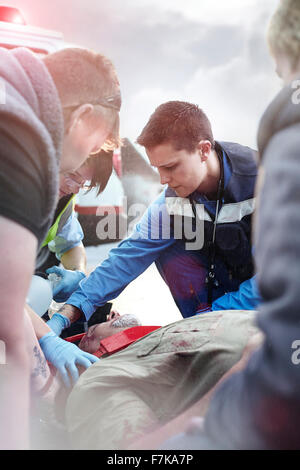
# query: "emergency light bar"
14,32
11,15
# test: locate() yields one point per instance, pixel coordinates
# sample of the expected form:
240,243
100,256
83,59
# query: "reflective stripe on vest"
229,213
60,221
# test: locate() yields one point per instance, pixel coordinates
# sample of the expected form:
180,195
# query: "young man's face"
181,170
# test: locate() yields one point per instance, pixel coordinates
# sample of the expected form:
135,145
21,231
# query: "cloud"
162,51
234,98
226,69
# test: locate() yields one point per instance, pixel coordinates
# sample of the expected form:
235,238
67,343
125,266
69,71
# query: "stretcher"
118,341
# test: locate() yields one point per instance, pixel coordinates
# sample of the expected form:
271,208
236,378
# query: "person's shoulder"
242,158
282,116
236,148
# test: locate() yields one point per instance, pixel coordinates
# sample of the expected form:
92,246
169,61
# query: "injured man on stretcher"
140,382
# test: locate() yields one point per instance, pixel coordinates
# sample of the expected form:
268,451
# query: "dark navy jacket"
233,230
152,235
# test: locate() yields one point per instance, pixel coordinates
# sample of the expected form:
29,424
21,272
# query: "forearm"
14,406
40,327
71,312
75,259
15,374
63,319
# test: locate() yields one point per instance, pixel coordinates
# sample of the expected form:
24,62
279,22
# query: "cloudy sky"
207,52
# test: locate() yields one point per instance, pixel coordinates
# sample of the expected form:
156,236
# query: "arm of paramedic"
246,298
15,277
125,263
68,246
75,259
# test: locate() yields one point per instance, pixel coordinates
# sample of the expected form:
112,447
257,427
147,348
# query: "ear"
79,115
204,148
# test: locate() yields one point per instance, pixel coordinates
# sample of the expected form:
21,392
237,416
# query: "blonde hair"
284,30
83,76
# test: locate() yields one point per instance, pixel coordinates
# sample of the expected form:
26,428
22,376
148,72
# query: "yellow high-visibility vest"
60,221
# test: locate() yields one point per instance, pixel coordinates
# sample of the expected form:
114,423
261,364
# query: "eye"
76,177
91,330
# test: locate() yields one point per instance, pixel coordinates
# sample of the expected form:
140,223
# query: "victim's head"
96,333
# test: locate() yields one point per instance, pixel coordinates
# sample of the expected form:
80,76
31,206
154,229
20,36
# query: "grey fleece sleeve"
260,406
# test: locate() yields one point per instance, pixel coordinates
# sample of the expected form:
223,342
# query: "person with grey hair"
137,385
145,376
259,407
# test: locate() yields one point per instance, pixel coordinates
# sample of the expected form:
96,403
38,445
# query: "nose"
164,179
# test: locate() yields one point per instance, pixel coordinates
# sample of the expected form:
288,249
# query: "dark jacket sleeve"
260,406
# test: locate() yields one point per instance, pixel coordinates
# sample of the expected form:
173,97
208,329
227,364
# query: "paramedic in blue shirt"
198,232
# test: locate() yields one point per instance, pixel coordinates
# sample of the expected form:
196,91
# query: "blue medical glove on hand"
64,356
68,284
58,323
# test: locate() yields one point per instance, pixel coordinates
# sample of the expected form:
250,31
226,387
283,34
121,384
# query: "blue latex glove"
64,356
68,284
58,323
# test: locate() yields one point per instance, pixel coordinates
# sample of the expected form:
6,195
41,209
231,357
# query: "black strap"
211,276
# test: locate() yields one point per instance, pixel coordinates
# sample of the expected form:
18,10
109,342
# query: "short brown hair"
83,76
284,30
178,122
